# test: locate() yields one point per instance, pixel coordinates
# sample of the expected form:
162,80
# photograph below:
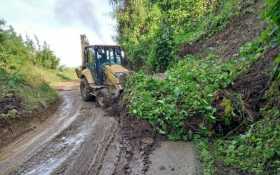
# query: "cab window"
90,56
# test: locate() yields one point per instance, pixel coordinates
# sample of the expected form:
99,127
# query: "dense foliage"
273,11
189,87
187,91
260,144
150,30
15,51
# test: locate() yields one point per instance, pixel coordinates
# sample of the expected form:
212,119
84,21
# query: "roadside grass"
30,90
50,76
32,87
27,73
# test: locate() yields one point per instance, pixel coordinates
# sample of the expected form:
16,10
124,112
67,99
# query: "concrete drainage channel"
174,158
79,139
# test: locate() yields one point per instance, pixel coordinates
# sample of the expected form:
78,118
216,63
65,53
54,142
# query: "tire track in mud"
59,149
137,141
53,143
90,157
82,139
79,139
24,147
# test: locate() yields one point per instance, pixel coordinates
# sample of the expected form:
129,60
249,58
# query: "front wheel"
85,90
103,98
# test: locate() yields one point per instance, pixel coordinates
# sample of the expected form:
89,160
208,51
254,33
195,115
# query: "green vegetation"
25,74
256,150
260,143
15,51
188,90
32,94
56,76
181,105
190,85
151,31
273,11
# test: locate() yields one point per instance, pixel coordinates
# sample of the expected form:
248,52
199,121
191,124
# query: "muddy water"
81,139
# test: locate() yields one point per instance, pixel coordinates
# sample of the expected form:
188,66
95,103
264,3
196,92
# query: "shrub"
187,92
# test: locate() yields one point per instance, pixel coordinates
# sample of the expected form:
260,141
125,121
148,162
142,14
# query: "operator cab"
98,56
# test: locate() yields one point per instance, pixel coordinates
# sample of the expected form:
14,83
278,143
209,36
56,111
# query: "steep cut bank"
239,30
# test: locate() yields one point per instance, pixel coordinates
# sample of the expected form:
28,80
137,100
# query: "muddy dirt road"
80,139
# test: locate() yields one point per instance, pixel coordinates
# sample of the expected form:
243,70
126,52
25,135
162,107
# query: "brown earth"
226,44
23,122
224,170
67,86
80,138
251,86
139,139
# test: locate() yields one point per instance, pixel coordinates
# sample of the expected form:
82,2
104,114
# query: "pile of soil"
138,140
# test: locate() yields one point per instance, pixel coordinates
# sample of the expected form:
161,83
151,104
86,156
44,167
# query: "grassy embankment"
26,72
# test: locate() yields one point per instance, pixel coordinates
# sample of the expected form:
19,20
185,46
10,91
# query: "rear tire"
85,90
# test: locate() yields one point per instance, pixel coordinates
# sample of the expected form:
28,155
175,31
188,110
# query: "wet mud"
82,139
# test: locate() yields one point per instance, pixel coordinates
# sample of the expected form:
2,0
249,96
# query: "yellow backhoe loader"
101,74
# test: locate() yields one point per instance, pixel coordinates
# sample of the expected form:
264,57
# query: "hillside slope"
220,71
238,30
